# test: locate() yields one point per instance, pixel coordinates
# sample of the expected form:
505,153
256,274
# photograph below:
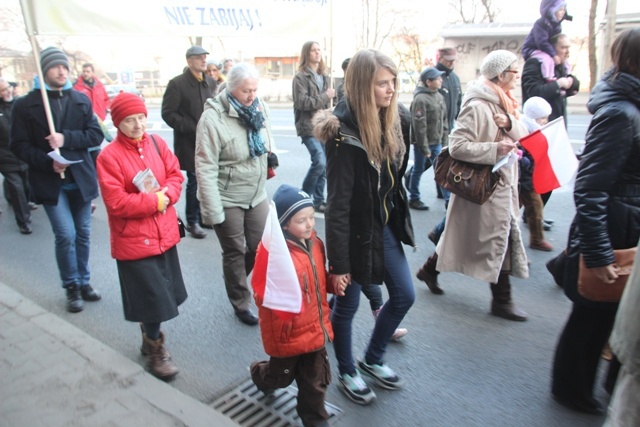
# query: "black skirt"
152,288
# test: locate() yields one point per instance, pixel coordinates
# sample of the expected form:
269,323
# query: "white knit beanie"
536,108
496,62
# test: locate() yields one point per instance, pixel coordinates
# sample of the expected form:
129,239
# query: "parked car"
113,90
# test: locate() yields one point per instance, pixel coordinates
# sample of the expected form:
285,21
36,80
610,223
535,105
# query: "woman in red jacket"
140,181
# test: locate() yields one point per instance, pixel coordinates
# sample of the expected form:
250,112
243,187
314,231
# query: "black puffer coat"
361,200
607,189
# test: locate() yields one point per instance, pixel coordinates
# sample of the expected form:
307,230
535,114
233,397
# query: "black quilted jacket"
607,189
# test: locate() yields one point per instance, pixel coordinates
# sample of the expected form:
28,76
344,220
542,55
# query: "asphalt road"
462,366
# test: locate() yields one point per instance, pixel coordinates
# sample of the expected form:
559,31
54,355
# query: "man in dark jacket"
311,92
182,106
451,89
14,170
65,190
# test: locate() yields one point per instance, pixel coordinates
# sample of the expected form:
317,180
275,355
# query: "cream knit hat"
496,62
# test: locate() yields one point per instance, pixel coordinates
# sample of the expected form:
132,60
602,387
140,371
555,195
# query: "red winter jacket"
97,95
138,230
311,329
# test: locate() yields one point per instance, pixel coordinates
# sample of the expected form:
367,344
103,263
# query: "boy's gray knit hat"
51,57
496,62
288,201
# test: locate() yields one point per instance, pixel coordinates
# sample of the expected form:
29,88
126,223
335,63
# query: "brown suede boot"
502,305
429,274
159,363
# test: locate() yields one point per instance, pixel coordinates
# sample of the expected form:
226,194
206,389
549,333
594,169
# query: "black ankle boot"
74,298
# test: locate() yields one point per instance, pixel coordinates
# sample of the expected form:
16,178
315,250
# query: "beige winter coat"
482,240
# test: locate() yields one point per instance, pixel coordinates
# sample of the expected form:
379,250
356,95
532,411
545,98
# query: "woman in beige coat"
484,241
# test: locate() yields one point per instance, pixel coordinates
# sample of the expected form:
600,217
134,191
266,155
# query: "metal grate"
249,407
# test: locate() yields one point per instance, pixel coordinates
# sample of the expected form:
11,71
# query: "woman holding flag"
607,198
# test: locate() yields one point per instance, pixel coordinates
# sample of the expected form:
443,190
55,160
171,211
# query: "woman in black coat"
607,198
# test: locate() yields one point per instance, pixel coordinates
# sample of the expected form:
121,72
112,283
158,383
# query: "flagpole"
331,47
28,23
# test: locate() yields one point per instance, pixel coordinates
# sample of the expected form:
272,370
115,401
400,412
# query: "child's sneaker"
382,374
356,389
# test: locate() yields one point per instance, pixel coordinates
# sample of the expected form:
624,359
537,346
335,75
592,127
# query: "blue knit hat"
288,201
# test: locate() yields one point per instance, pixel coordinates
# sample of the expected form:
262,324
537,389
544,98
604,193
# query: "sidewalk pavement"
53,374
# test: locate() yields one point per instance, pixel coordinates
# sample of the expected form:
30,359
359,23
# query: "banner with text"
217,18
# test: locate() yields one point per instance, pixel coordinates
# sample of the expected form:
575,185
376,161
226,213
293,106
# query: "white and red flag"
554,162
274,279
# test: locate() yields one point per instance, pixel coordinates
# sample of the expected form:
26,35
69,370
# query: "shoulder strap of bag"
156,144
495,109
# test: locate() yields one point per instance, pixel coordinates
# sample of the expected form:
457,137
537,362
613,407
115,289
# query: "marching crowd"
50,155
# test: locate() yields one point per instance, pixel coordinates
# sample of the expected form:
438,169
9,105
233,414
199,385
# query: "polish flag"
554,162
274,279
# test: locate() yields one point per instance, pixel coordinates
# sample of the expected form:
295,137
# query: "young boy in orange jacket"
296,342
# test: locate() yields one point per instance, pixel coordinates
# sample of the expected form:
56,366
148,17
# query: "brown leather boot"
429,274
159,363
145,348
502,305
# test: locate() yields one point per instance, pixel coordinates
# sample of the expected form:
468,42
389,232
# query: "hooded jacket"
81,131
543,29
96,94
607,188
429,124
361,200
311,329
227,174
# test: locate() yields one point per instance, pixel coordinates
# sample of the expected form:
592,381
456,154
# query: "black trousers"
579,351
16,184
312,374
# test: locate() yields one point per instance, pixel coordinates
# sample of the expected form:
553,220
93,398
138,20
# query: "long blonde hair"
379,130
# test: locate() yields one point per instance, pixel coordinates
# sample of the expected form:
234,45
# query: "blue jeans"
419,166
192,203
399,283
316,178
71,223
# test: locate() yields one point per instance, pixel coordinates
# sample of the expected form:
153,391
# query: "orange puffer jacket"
311,329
